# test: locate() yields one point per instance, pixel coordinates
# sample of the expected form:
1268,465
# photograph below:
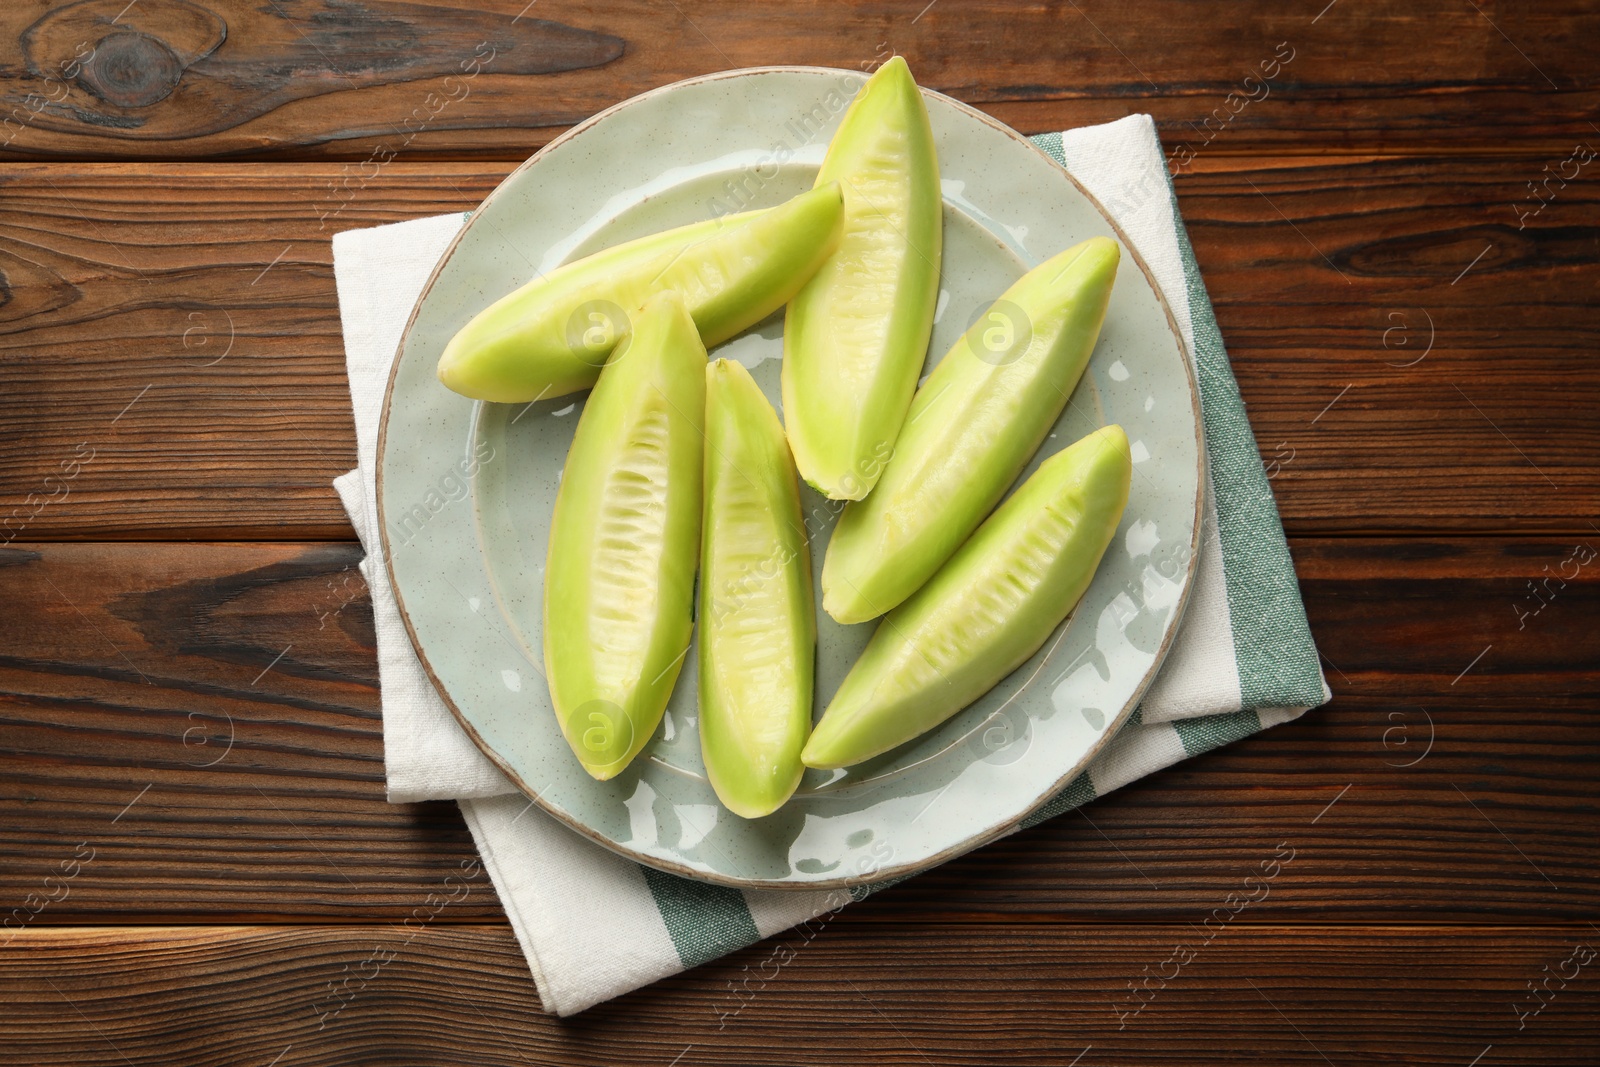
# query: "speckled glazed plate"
467,564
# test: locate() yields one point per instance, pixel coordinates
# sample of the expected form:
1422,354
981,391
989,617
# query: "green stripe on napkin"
1214,731
1271,640
704,920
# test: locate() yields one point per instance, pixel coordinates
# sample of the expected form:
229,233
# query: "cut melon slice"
624,541
856,335
758,628
552,336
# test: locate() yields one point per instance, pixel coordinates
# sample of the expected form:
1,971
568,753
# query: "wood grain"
1391,382
217,405
861,989
217,400
205,719
362,79
1404,271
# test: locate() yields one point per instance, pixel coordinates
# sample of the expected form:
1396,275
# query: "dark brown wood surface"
265,798
348,78
188,694
1008,992
1391,392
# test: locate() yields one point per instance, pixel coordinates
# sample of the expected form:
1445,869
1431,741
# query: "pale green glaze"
624,541
855,337
552,336
987,610
758,626
972,427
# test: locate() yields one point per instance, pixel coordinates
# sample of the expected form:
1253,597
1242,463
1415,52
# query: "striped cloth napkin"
593,924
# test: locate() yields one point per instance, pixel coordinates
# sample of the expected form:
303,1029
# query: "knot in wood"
131,69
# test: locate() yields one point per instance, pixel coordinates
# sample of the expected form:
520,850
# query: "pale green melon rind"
624,540
972,428
987,610
732,272
756,611
844,403
494,353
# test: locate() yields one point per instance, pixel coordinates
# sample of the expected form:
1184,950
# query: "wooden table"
1400,227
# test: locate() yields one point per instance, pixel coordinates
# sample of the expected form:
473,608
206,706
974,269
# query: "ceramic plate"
465,491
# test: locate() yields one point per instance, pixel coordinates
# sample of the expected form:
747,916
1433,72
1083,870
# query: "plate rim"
968,844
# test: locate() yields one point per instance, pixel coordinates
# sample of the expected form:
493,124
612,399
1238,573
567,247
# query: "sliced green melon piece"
758,628
625,539
856,335
987,610
975,423
553,335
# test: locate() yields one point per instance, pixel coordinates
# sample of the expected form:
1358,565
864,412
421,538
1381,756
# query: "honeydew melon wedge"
552,336
987,610
757,617
856,335
625,541
973,427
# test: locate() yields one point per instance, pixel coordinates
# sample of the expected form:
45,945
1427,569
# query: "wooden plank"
205,719
150,686
1378,559
1518,618
364,79
217,407
1409,355
186,363
859,988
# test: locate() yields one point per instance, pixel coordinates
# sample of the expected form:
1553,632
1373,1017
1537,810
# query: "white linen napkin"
593,924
